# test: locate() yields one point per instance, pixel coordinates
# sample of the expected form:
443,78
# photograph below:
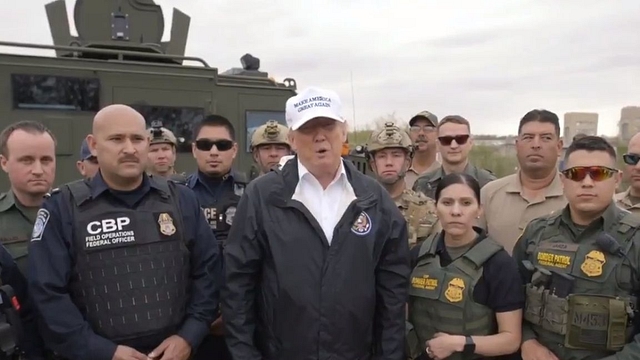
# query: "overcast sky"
490,61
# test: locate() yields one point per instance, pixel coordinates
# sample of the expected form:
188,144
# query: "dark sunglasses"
207,144
596,173
631,159
447,140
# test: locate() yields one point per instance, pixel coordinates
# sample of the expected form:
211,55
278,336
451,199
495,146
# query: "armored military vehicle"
119,57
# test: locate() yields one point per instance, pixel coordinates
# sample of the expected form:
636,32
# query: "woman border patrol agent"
466,296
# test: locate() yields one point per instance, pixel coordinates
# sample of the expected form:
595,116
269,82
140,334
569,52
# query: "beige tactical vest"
592,322
441,298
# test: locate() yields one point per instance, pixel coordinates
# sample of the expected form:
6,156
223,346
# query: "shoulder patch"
41,222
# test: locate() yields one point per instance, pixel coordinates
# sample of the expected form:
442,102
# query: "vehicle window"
254,119
47,92
180,120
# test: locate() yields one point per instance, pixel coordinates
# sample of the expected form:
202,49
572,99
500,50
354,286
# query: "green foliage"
488,157
358,137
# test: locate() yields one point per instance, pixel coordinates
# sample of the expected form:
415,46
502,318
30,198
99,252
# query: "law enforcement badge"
593,262
41,222
455,290
166,224
362,225
229,214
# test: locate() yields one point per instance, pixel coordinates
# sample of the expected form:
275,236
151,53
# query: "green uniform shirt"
428,182
16,226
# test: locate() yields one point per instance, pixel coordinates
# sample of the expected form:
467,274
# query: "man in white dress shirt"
317,259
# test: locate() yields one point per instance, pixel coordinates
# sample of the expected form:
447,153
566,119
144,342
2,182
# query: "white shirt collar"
303,171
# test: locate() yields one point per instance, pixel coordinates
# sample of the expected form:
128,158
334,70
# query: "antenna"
353,106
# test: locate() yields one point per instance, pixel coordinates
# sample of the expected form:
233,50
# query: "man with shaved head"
630,198
123,265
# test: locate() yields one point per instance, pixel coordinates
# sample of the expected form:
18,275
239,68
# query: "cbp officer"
88,164
28,156
123,265
317,261
389,152
162,154
219,189
269,143
581,264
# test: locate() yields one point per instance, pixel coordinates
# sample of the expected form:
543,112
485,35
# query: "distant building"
579,123
629,124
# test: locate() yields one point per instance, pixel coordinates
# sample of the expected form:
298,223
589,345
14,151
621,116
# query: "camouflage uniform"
418,209
420,213
271,132
167,137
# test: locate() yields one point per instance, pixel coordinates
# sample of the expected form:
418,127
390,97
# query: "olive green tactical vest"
582,326
441,298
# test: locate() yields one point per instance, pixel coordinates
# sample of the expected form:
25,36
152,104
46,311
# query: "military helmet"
391,136
270,133
166,137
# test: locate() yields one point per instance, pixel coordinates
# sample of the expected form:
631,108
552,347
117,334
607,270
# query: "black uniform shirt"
209,190
52,260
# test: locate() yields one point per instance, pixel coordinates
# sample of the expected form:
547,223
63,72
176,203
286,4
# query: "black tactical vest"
131,277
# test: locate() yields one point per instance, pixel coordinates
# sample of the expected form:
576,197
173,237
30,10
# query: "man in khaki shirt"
535,190
630,198
423,134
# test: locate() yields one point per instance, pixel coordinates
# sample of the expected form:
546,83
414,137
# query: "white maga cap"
312,103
